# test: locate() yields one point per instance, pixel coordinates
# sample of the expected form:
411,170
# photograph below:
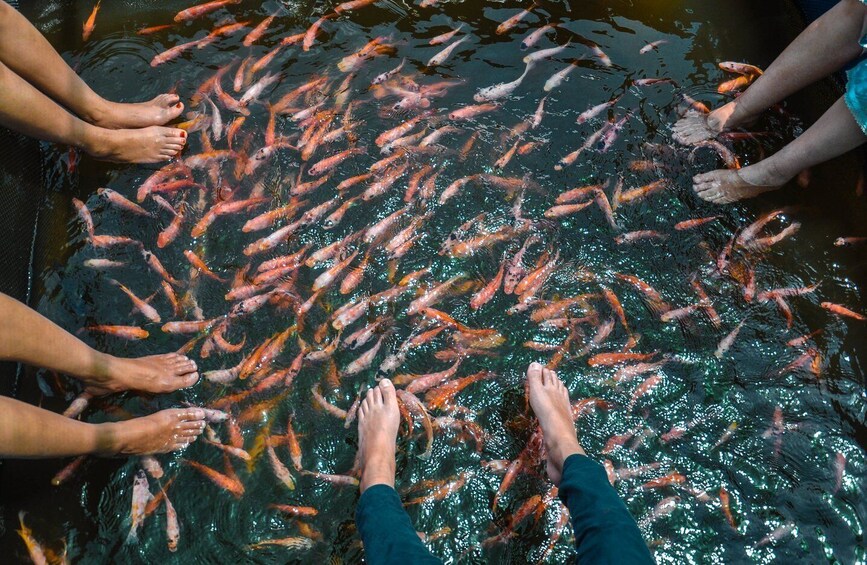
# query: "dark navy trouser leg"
605,531
387,533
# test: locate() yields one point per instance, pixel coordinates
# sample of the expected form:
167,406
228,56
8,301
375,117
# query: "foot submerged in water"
156,112
378,422
696,126
155,374
145,145
725,186
162,432
550,401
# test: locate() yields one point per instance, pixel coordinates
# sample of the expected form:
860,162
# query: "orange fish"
125,332
154,29
725,505
37,554
514,20
87,29
673,478
443,395
200,265
842,311
230,484
203,9
441,492
312,31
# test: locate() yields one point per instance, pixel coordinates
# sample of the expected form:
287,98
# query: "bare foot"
155,374
168,430
378,420
696,126
725,186
146,145
114,115
550,402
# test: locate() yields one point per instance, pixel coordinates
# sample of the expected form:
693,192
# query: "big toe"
534,372
188,380
389,397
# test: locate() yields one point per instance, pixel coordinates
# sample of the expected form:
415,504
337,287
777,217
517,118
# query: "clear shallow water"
768,486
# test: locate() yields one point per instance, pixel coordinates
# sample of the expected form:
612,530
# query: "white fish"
141,495
601,55
558,78
216,121
545,53
501,90
839,469
152,466
665,507
254,91
777,534
651,46
728,340
444,37
536,35
441,57
591,113
539,114
173,528
388,74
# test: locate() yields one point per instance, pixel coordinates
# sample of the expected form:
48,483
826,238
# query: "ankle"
560,449
98,142
102,371
770,173
94,140
378,470
97,112
108,439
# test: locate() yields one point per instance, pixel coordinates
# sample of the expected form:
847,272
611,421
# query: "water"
770,483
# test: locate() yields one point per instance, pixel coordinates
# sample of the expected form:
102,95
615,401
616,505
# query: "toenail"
183,134
178,105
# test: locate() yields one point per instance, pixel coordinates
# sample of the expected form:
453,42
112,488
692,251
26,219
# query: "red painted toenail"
178,105
183,134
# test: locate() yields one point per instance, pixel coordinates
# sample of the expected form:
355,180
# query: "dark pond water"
775,477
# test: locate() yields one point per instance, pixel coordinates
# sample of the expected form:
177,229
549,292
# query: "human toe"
534,371
376,396
189,379
191,427
388,393
195,414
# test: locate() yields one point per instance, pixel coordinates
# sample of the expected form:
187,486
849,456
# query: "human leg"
823,48
605,532
28,337
24,50
385,528
835,133
25,109
28,432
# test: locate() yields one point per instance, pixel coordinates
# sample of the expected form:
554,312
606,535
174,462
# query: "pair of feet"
379,419
725,186
133,133
164,431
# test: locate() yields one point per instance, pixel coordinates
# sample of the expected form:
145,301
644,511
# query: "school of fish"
345,307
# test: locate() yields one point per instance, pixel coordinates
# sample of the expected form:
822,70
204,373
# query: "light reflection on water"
767,489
